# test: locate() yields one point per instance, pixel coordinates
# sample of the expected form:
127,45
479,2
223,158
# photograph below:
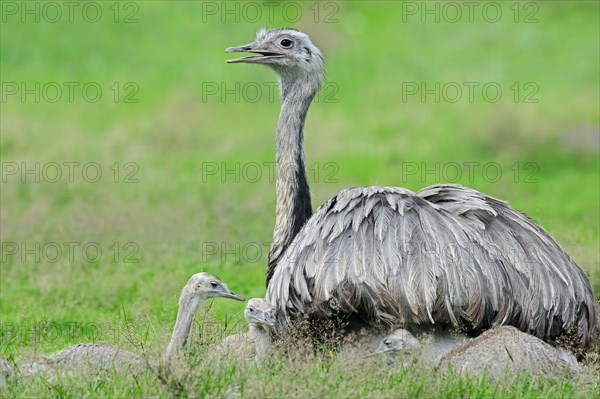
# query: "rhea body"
494,353
102,356
504,350
385,256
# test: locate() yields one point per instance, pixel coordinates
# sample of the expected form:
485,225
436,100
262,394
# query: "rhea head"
259,312
204,286
398,342
290,53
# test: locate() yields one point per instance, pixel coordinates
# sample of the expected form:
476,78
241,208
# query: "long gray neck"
293,206
188,304
262,341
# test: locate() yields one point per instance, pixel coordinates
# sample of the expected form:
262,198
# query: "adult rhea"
385,255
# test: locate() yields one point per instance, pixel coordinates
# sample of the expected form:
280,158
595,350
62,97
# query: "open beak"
251,48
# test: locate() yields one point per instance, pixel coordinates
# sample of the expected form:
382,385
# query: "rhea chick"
101,357
256,343
397,344
430,347
261,319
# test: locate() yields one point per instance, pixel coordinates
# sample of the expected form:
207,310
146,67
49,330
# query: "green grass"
309,379
174,215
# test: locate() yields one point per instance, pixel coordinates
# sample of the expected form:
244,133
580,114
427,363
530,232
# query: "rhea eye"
214,283
387,342
286,43
250,309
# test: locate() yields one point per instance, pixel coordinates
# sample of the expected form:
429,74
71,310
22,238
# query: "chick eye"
214,283
286,43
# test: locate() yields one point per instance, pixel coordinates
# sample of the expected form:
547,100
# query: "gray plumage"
300,73
495,353
506,350
5,372
261,318
87,358
397,344
429,348
384,256
102,357
256,343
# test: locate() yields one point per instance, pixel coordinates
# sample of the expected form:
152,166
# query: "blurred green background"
185,142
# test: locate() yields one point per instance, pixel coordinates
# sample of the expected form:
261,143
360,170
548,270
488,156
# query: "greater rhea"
100,357
496,353
387,256
428,348
400,342
506,351
261,318
257,342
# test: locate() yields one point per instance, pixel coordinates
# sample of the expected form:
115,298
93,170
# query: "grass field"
133,157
